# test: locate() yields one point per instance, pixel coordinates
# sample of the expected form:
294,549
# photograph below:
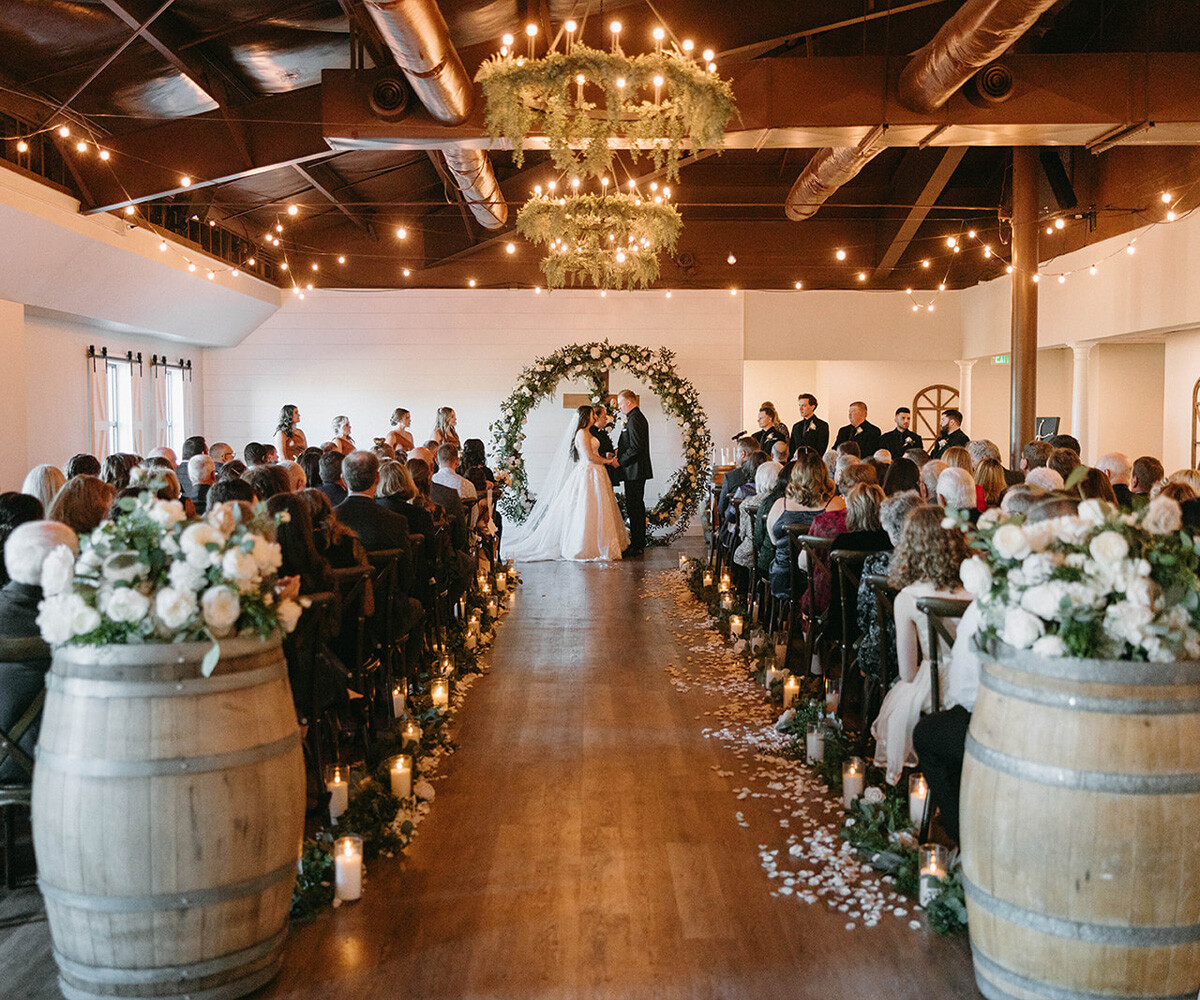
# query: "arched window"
927,408
1195,419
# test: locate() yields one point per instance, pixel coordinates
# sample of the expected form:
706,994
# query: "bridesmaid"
342,442
443,430
399,437
289,438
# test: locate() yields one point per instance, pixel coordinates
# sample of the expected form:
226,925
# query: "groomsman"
897,442
860,430
810,431
952,435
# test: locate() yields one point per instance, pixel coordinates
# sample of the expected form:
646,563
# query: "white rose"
124,567
288,613
166,512
184,576
221,609
1050,645
268,556
1044,600
194,544
989,517
423,790
127,605
239,567
56,617
1021,629
1163,516
873,796
1010,542
58,571
976,576
1127,621
84,618
1109,547
175,606
224,517
1142,591
1094,511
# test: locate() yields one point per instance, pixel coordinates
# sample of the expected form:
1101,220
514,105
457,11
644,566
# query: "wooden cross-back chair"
847,567
16,793
876,683
303,650
812,623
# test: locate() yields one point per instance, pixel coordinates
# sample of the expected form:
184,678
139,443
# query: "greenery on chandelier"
691,106
588,362
612,240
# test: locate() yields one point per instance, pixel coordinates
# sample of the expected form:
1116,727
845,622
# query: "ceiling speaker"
991,85
388,97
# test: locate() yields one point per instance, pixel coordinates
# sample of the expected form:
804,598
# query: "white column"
964,392
1079,395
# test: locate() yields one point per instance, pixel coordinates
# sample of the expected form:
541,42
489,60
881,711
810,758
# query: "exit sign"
1001,359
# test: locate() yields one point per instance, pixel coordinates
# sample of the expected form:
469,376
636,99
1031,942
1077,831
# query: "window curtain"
136,389
101,407
160,405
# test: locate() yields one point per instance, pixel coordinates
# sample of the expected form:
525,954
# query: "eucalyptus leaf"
209,663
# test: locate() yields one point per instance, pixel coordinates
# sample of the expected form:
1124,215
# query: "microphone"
739,434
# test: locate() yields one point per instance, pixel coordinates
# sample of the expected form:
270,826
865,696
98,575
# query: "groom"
633,458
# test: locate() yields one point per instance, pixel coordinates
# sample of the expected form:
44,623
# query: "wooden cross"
574,400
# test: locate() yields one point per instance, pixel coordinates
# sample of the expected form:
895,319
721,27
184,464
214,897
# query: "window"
175,429
120,405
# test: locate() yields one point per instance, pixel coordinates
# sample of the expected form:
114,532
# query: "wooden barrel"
1081,828
168,812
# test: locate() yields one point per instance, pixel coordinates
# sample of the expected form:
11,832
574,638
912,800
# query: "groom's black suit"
633,456
604,447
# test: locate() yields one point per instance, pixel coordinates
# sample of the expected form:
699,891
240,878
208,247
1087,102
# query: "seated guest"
764,545
882,456
835,523
272,455
832,520
82,504
807,492
343,443
1118,468
295,475
43,482
163,479
267,481
229,490
449,504
770,429
850,448
399,437
764,482
957,457
880,467
166,454
220,453
1068,442
956,490
1095,486
310,462
25,552
902,476
423,514
255,454
447,473
155,462
1147,470
1189,478
899,440
864,532
1180,492
337,543
989,477
981,448
780,452
1045,478
739,474
384,451
232,469
1019,499
115,472
295,537
918,457
1035,455
16,509
930,472
830,458
950,434
377,527
860,430
924,564
892,512
474,467
192,447
83,464
1063,461
331,482
202,473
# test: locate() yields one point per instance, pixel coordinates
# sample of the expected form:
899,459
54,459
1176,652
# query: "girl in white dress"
580,520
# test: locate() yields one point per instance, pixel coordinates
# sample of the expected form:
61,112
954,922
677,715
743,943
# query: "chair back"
847,567
937,610
23,650
885,617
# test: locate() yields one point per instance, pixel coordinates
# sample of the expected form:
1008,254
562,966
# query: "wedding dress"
577,516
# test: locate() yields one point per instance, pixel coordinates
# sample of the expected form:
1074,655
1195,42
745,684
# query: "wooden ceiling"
237,94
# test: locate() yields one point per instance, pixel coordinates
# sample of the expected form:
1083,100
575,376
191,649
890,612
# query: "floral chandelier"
612,240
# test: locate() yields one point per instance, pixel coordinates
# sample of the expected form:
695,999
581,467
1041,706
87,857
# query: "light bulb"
1166,197
470,282
707,55
1170,215
840,255
212,276
283,266
862,275
192,267
908,291
941,286
511,248
81,146
971,233
537,289
620,256
507,39
987,251
1037,278
251,262
1130,250
341,260
570,26
659,34
279,227
293,209
658,81
552,185
575,182
620,82
666,192
162,246
1059,223
406,272
958,249
185,181
615,27
236,273
951,241
579,78
1009,269
22,146
309,286
731,259
1062,279
64,131
314,267
211,224
531,30
668,295
799,285
924,263
712,67
654,185
402,233
603,293
929,308
301,295
295,289
688,45
1092,270
733,291
915,307
604,182
129,210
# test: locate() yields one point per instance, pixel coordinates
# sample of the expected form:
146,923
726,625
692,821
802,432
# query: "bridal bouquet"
1098,584
151,576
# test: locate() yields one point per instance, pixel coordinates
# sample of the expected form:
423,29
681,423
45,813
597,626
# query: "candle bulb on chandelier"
659,35
531,34
570,27
615,28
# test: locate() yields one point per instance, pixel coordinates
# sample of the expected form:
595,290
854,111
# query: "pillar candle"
447,664
501,582
339,792
411,735
397,701
493,607
853,777
735,626
726,600
918,795
833,691
683,563
481,580
791,690
440,692
931,859
473,622
814,743
724,586
708,578
401,774
348,864
470,641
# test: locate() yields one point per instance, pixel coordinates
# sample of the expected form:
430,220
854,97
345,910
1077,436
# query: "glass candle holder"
683,563
726,601
724,585
439,691
791,690
398,701
348,868
814,743
932,860
501,582
401,774
446,665
854,775
735,626
337,784
833,694
918,797
708,578
493,607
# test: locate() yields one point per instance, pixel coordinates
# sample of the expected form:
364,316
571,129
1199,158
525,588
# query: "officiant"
604,443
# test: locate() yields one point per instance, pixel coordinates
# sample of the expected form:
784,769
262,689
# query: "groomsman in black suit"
897,442
810,431
952,435
604,445
633,459
860,430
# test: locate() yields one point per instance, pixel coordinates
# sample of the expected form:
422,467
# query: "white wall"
1181,369
365,353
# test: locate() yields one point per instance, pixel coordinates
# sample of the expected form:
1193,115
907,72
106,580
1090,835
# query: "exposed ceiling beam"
333,188
925,200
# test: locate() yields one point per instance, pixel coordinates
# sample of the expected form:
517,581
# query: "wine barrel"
168,813
1080,820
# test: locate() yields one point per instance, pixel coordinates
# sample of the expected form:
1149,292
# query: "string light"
1166,197
470,282
840,255
341,260
212,276
22,146
925,263
191,267
129,210
314,267
162,246
862,275
406,272
733,291
292,209
283,266
64,131
81,146
799,285
185,181
1060,224
402,233
731,259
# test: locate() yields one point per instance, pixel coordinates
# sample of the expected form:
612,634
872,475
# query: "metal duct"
827,171
978,32
416,34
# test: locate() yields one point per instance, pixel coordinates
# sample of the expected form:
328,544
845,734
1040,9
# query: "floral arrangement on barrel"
1097,583
151,576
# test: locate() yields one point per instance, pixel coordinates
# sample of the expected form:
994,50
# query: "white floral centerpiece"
1097,584
152,576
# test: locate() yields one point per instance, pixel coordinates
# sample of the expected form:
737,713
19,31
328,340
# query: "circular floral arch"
656,369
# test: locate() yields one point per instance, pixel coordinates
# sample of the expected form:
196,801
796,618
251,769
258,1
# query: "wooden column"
1024,300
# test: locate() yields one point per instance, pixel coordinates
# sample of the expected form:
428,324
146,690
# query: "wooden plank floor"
582,845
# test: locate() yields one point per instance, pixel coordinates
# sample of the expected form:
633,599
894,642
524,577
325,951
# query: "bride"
577,516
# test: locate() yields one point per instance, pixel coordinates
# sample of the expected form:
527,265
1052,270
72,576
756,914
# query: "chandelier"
588,102
612,240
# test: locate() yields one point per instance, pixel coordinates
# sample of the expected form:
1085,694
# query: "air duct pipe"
827,171
417,35
978,32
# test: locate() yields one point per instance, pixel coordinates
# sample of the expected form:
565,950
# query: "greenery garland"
691,105
679,398
611,239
